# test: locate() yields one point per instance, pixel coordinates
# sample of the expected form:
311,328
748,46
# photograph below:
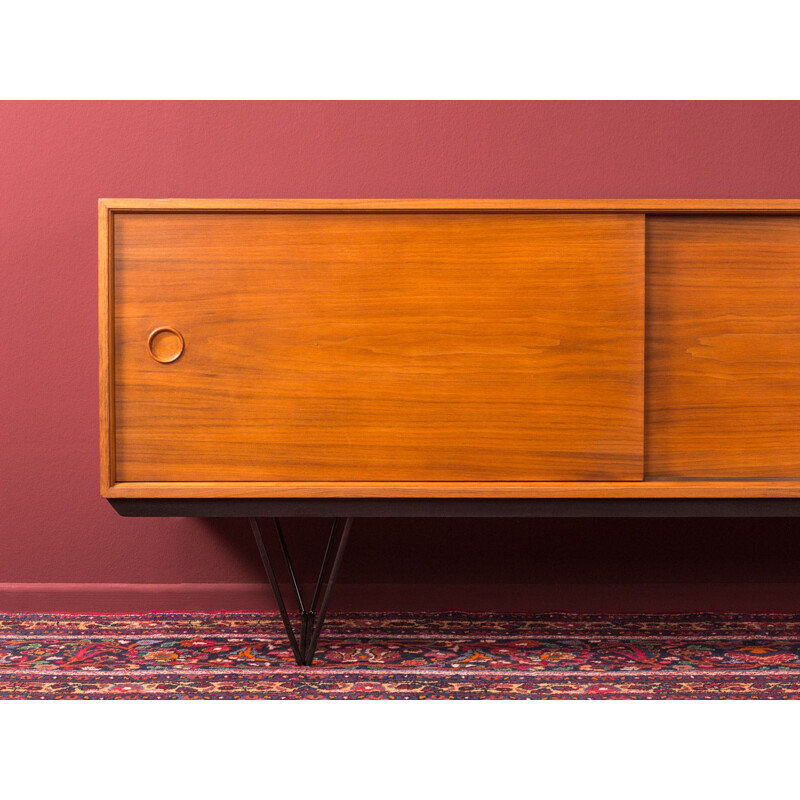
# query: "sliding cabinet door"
389,346
723,347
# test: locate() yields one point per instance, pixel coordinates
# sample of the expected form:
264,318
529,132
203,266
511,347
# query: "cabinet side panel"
723,347
105,345
386,347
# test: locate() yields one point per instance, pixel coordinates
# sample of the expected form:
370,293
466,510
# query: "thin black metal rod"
305,630
295,586
311,620
324,566
337,562
276,590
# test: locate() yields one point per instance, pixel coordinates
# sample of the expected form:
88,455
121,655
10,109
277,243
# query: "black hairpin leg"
311,619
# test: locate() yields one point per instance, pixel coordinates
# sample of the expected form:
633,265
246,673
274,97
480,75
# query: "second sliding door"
391,346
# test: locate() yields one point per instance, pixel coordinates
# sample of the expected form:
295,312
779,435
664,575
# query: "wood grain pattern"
457,489
722,342
723,347
106,348
633,206
390,347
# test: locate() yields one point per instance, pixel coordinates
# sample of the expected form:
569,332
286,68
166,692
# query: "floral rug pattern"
401,656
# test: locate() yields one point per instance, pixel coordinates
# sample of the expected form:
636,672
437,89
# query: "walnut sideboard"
447,357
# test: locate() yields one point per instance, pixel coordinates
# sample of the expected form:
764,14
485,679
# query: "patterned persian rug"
425,656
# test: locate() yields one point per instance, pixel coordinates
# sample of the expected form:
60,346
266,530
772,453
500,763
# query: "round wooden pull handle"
165,344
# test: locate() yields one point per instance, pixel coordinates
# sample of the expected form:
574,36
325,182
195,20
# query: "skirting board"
522,598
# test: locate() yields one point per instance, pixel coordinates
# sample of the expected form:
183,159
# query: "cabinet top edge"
638,205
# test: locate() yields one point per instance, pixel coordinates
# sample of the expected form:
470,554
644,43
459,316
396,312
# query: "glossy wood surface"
461,489
105,327
631,206
723,347
722,344
416,347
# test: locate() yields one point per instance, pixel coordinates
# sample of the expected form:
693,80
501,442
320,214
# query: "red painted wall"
57,158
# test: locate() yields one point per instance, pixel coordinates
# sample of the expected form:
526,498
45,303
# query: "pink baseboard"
584,597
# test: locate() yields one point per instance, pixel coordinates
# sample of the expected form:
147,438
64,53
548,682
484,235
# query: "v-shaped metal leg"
311,618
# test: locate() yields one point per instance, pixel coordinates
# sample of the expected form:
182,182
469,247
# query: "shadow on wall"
507,552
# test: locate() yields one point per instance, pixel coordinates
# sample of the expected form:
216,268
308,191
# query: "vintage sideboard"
447,357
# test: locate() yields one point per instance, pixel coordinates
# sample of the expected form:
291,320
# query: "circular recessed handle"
165,344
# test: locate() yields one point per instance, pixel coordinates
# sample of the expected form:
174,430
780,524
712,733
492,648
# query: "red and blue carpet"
425,656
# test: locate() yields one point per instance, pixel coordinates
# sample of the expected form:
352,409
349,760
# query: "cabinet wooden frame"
673,488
